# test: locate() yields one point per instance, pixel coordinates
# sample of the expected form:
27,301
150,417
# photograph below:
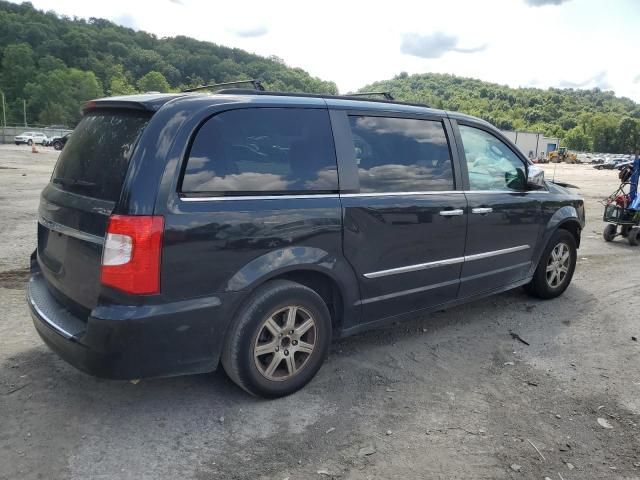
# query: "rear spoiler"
149,102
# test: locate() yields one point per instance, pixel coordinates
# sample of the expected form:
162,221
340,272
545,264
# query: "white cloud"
540,3
598,80
433,45
257,31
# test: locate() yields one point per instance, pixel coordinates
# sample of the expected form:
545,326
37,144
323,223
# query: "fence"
7,133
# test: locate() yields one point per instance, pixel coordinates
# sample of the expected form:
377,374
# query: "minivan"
250,228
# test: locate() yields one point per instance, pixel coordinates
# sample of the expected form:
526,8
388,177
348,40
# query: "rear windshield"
95,159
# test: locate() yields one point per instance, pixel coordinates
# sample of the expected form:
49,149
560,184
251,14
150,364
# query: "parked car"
180,231
59,142
610,164
30,138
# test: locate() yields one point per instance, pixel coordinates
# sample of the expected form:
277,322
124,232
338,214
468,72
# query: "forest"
585,120
57,63
51,64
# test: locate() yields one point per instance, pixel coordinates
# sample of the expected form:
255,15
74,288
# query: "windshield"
95,159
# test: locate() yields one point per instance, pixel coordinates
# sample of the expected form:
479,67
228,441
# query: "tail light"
131,255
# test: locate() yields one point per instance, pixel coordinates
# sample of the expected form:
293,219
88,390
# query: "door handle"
452,213
482,211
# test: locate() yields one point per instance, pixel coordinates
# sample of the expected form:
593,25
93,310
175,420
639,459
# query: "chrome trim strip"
448,261
71,232
504,251
413,268
346,195
518,192
258,197
48,321
398,194
407,292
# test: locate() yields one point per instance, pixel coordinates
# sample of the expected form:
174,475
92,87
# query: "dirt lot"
452,395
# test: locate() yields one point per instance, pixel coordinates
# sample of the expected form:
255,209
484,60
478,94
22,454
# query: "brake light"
131,254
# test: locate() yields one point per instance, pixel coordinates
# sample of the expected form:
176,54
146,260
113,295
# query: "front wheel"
29,142
556,266
633,237
609,232
279,339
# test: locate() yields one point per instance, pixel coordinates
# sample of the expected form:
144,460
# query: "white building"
533,145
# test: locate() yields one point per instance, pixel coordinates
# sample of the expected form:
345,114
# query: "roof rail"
385,95
359,98
257,85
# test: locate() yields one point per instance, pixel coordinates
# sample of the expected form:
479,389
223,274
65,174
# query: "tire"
29,142
57,145
624,230
271,304
541,285
17,143
634,237
609,232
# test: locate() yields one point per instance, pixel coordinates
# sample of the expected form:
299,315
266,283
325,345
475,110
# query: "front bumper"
130,342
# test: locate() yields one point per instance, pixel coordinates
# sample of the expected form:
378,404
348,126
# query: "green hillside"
584,119
56,63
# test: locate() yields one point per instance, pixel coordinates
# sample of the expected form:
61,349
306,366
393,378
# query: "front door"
503,220
404,230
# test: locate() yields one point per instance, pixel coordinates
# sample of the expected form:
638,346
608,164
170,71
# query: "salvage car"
30,138
250,228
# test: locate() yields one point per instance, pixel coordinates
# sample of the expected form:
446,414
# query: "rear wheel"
279,339
609,232
556,266
633,237
624,230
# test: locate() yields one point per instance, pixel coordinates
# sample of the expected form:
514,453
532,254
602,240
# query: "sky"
538,43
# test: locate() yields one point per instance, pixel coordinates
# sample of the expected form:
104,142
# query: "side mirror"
535,177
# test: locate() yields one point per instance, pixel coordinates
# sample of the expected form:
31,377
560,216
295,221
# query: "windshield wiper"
70,182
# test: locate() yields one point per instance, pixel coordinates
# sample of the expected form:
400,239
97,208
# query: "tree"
153,82
577,139
17,68
57,96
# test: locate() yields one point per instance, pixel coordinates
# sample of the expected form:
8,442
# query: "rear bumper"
128,342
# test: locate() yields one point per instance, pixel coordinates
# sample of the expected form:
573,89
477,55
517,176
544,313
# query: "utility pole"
24,111
4,112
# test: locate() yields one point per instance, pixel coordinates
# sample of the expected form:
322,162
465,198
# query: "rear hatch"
76,204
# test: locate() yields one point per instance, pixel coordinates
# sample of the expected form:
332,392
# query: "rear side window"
257,150
95,159
401,154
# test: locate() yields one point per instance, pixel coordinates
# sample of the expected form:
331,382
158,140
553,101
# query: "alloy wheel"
558,265
285,342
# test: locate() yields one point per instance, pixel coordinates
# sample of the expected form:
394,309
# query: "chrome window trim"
448,261
258,197
398,194
71,232
346,195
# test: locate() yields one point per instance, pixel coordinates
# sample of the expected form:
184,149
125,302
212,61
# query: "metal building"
533,145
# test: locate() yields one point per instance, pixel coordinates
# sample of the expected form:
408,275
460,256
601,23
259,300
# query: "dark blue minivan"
250,228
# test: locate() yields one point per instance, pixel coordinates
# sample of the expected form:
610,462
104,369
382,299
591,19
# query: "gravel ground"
448,396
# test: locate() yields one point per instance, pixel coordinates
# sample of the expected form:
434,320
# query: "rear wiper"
69,182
